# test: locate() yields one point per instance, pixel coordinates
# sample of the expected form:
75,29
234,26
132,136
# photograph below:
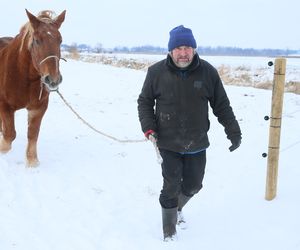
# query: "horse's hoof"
33,163
4,147
3,151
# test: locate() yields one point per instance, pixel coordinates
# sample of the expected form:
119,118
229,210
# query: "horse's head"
44,46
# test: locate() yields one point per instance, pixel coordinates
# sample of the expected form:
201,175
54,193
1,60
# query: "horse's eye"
36,41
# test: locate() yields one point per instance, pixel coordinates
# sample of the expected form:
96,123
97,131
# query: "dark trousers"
181,173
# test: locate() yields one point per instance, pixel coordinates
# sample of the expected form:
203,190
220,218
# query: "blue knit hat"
181,36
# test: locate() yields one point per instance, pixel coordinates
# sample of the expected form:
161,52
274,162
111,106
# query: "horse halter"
52,56
41,62
48,57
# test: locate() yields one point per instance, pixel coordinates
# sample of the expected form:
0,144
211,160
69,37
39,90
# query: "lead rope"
158,155
41,91
98,131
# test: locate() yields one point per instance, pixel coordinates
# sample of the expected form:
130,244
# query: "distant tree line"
209,51
234,51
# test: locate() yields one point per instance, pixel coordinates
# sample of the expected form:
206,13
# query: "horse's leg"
7,122
34,122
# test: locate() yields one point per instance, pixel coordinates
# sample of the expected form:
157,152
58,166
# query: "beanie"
181,36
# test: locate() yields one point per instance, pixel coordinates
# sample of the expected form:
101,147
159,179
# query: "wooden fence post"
275,128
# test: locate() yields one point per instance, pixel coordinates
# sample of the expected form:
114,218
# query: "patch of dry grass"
238,76
112,60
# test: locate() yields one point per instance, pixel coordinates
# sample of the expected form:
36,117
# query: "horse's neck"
20,58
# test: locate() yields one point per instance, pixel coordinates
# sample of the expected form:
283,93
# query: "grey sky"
245,24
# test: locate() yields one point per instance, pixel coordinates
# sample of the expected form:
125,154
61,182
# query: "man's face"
182,56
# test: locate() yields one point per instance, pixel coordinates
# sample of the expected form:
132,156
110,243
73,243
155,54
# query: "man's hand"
151,136
235,143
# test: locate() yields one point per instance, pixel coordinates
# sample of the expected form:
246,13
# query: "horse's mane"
46,16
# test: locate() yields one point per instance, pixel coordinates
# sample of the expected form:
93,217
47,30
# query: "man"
173,111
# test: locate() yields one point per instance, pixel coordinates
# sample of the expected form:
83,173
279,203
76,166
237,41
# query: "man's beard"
182,64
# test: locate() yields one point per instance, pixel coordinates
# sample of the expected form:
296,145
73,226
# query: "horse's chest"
25,96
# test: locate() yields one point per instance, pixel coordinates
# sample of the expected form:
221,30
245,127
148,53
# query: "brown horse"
4,41
29,70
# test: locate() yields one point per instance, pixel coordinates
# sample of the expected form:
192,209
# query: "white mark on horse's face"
49,33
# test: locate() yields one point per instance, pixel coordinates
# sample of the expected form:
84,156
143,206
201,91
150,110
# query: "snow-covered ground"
92,193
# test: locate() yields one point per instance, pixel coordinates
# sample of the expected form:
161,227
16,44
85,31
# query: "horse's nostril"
47,79
51,83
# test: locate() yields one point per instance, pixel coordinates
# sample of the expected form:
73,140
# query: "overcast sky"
246,24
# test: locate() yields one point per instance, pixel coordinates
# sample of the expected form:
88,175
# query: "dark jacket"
174,103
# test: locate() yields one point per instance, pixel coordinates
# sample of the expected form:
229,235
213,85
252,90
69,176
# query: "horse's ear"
33,20
59,19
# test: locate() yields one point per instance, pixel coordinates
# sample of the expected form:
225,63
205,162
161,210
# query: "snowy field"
92,193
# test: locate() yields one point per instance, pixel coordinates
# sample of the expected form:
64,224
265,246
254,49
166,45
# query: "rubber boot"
169,220
182,200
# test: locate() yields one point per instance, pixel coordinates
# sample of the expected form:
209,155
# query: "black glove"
235,143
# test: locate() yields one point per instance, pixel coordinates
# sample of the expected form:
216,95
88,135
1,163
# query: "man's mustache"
182,57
